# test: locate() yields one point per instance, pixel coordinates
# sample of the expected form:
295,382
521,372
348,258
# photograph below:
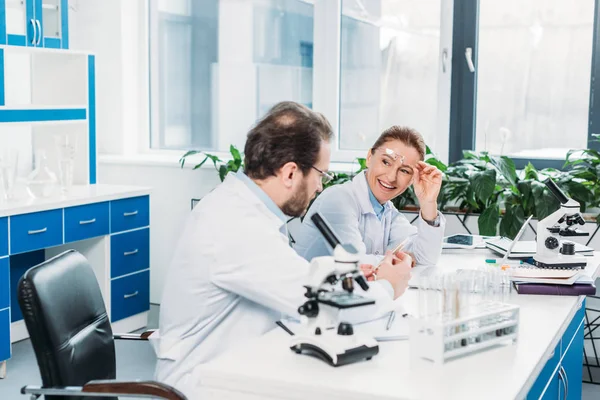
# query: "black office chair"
71,335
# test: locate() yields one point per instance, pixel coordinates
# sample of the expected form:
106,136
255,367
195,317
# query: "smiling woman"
361,211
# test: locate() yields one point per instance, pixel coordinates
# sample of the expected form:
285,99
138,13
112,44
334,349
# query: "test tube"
423,297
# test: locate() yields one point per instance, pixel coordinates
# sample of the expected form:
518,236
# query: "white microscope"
552,251
323,335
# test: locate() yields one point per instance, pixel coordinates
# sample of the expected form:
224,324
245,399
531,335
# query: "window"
219,65
389,68
533,77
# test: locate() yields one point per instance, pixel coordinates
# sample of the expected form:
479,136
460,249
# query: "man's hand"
393,268
411,255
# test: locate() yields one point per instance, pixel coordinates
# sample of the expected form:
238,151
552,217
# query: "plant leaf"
187,154
484,183
437,163
513,219
235,153
363,164
507,168
223,172
199,164
488,221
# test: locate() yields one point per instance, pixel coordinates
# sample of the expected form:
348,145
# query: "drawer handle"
37,231
130,295
89,221
130,214
130,253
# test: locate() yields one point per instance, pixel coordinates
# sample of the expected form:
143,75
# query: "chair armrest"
103,388
134,336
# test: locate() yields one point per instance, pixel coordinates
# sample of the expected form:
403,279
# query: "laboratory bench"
545,362
109,224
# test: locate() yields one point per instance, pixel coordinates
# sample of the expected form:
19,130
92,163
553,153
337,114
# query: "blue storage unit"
35,23
130,214
130,295
562,375
36,231
5,334
129,252
3,236
88,221
4,284
30,232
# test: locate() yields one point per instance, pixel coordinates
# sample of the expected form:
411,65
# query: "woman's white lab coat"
349,211
233,275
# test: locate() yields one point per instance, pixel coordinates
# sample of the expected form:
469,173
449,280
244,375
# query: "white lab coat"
349,211
233,275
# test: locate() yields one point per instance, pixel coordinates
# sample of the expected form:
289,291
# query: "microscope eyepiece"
362,282
325,230
555,190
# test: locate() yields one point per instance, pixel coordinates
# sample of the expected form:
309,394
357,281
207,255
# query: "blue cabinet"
3,236
35,23
88,221
4,334
562,375
129,252
36,231
4,285
572,366
129,214
130,295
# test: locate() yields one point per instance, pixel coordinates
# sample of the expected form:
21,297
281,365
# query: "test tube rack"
439,340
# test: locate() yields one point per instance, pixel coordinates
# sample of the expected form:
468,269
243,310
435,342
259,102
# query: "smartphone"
465,240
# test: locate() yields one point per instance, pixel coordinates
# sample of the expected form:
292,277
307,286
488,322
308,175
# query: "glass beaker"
9,162
41,182
66,148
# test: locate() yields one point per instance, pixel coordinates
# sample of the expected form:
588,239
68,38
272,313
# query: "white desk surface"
78,195
266,368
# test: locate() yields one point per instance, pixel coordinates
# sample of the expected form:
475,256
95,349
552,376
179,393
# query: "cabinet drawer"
572,328
129,213
4,283
4,335
545,376
129,252
3,236
84,222
36,231
130,295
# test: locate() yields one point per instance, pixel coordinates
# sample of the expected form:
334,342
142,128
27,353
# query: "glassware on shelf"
66,148
9,162
41,182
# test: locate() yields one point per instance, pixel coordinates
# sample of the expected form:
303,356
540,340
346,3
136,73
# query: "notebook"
526,248
576,289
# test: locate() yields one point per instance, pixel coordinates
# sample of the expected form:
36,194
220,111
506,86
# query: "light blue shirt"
377,206
350,211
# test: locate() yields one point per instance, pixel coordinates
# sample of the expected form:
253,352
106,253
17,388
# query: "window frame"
463,109
326,77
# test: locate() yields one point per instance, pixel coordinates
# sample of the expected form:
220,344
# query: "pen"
397,249
390,320
285,328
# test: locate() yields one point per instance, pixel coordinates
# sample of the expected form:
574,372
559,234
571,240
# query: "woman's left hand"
427,183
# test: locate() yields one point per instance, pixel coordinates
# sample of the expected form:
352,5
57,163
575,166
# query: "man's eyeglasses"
326,177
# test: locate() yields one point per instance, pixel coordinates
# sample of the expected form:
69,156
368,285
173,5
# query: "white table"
266,368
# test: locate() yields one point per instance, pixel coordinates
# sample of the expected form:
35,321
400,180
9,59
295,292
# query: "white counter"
266,368
78,195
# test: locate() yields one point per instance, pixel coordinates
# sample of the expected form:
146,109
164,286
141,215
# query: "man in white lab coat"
234,274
